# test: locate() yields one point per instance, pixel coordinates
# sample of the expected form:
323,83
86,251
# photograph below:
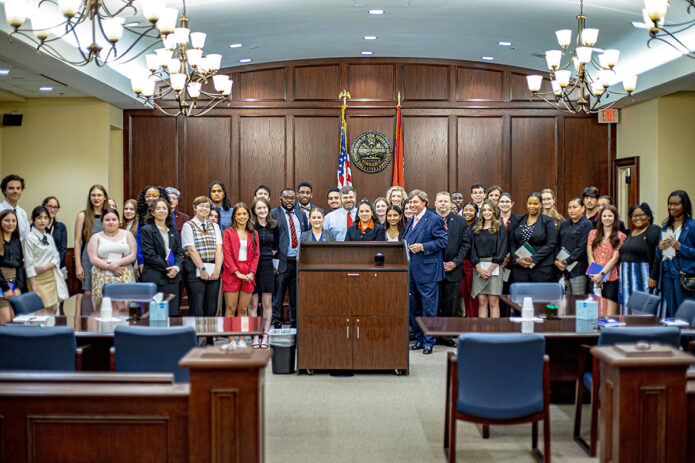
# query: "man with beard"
338,221
291,223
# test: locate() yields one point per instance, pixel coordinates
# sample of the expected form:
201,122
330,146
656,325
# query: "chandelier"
101,20
654,14
586,89
180,73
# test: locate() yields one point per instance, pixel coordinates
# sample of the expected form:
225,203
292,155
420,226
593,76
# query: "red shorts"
236,284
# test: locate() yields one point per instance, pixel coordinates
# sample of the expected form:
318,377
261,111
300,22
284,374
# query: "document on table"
564,254
487,265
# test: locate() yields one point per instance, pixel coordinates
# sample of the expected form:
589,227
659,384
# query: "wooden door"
380,343
325,343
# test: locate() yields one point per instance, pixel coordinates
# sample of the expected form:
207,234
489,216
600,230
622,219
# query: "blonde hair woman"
396,196
548,207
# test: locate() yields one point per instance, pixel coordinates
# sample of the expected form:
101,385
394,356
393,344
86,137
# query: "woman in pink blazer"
241,255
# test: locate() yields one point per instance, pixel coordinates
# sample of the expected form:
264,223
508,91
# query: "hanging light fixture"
654,14
585,89
182,72
68,19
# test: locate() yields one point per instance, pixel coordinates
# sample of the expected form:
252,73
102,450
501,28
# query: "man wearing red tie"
291,223
426,239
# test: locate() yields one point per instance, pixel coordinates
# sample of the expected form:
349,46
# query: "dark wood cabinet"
352,315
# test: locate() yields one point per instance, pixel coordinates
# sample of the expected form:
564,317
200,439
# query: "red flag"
398,170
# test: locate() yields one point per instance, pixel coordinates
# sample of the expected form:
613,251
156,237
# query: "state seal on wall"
371,152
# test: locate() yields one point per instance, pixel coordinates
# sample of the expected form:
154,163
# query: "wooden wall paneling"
480,152
479,84
519,87
533,157
207,153
586,160
290,179
316,141
317,82
370,186
371,82
426,153
263,85
559,188
453,162
425,82
153,153
234,190
262,155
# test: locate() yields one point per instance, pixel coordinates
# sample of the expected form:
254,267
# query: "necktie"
416,219
446,225
204,229
349,219
293,231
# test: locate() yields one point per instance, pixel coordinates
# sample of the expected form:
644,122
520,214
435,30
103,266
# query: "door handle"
358,328
347,328
353,274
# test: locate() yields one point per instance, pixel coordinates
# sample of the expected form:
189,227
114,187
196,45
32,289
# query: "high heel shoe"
264,341
255,344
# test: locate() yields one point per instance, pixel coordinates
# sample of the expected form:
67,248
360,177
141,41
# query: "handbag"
686,280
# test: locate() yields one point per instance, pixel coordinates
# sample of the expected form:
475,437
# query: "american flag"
344,173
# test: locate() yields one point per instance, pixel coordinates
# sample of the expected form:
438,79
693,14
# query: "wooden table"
564,334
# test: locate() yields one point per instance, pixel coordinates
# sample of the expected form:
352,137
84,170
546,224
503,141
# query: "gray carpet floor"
381,417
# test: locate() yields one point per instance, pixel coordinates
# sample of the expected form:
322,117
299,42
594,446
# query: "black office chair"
686,312
39,348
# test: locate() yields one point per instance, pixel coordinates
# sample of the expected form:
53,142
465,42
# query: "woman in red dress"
241,255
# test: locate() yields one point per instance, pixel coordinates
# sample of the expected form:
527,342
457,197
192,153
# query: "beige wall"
62,148
659,132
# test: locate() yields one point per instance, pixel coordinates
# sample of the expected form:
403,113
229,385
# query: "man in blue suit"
426,239
291,223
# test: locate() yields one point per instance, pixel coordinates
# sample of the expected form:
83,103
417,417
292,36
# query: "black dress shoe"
426,349
448,342
416,346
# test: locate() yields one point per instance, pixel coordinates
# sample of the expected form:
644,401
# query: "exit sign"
608,116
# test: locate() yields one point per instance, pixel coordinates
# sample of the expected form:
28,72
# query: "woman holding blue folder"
603,252
161,252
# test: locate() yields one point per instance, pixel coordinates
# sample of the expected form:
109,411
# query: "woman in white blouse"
111,252
42,261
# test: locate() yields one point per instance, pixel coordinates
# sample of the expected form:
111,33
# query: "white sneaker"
232,345
241,344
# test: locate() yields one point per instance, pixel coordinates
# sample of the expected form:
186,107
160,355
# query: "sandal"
264,342
255,344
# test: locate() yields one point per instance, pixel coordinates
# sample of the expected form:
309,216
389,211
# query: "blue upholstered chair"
153,350
686,312
542,292
644,302
138,292
478,385
26,303
589,381
39,348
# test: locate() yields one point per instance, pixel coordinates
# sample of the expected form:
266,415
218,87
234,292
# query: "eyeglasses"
53,207
152,196
203,206
639,216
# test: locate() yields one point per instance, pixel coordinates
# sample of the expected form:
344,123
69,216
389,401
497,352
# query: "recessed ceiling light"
133,24
236,45
504,44
245,60
45,89
376,11
369,37
487,58
4,72
367,52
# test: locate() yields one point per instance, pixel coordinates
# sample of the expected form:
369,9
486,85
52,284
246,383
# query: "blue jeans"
671,288
423,302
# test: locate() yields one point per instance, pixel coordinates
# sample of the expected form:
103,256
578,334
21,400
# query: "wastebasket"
283,341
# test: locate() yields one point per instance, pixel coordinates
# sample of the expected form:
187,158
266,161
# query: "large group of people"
231,258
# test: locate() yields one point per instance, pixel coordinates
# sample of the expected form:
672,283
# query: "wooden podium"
643,404
352,314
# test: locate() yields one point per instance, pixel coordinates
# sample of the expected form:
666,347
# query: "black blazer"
543,240
458,247
154,256
573,236
279,214
354,233
513,222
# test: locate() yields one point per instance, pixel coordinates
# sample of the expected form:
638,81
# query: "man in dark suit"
291,223
456,251
426,238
